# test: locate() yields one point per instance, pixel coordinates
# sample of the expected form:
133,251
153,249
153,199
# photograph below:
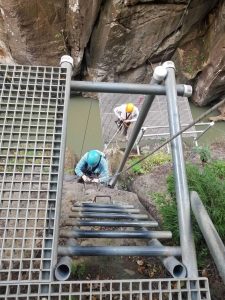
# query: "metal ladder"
118,219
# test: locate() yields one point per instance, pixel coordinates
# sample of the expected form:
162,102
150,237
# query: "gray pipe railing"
212,238
105,210
128,88
76,233
63,268
182,195
109,215
67,63
138,89
87,204
119,251
173,266
112,223
158,76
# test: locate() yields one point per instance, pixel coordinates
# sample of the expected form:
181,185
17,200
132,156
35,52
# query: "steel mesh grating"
159,289
31,122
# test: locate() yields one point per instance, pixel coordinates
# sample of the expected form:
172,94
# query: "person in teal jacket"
93,167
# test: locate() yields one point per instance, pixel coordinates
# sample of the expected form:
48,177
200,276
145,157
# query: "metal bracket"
102,196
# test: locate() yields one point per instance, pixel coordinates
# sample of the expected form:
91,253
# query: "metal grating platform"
31,125
158,289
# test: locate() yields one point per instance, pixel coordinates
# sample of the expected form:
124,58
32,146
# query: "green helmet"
93,158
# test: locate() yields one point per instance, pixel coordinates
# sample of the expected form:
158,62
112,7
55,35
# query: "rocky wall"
120,40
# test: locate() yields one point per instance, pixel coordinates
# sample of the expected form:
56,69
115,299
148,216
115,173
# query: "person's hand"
126,121
86,178
95,180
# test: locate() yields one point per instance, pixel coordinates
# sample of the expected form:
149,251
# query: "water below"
80,142
215,133
79,118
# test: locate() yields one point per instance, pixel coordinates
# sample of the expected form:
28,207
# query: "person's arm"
80,165
135,115
118,112
104,171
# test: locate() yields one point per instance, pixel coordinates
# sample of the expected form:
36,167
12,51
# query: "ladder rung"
120,251
109,216
89,204
112,223
103,209
116,234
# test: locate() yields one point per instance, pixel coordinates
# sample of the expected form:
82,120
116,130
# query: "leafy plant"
149,163
209,183
136,169
204,153
168,209
78,270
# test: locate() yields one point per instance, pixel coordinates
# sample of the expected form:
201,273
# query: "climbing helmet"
93,158
129,107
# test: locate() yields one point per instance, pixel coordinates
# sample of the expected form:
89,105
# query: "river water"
215,133
80,142
77,140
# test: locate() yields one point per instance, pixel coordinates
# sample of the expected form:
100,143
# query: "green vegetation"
149,163
209,183
78,270
69,171
204,153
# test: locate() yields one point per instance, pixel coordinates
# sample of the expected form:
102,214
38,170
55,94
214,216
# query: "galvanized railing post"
182,194
212,238
65,62
127,88
158,76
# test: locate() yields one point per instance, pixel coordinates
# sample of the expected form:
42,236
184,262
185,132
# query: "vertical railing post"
158,76
67,63
182,194
212,238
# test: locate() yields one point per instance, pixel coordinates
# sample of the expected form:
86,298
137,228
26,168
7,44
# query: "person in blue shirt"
93,167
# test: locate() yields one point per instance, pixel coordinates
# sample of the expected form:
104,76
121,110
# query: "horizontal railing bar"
167,133
127,88
167,126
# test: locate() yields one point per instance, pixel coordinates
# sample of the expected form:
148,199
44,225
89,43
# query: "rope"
118,130
180,24
86,128
202,116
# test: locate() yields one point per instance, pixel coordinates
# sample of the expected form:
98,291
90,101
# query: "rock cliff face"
34,30
120,40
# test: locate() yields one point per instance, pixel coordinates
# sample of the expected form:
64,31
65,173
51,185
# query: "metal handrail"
145,128
211,236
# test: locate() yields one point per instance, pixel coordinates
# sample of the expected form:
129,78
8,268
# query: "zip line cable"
86,128
174,136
